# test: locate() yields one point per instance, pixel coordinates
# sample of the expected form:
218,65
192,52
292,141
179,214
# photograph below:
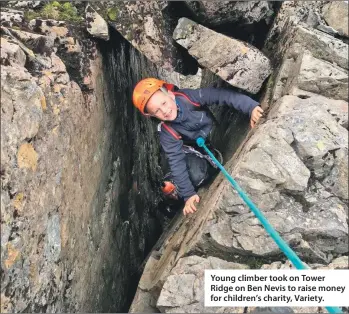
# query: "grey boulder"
335,14
95,24
236,62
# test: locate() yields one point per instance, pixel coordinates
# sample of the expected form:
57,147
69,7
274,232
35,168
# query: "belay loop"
281,243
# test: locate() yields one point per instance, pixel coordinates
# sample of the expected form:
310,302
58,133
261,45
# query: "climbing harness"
191,150
199,175
284,247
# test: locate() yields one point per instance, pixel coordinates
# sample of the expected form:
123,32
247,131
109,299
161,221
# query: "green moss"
49,11
68,7
56,11
69,13
56,4
113,14
129,36
30,15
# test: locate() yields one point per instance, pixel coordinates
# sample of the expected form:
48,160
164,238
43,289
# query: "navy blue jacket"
192,123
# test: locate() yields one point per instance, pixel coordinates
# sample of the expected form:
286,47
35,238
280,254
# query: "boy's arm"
213,96
178,165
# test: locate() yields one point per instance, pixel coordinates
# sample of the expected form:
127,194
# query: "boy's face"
162,106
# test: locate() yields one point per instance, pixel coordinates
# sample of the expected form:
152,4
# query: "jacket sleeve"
178,165
214,96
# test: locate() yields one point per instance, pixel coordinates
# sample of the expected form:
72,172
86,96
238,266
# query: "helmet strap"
164,90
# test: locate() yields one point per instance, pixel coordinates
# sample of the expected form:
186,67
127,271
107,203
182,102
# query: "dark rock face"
138,172
148,26
76,196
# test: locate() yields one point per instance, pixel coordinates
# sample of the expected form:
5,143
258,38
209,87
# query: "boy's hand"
189,206
256,114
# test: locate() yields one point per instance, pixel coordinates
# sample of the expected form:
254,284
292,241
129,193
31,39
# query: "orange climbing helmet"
169,190
145,89
167,187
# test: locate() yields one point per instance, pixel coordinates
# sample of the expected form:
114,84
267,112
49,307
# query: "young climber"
184,119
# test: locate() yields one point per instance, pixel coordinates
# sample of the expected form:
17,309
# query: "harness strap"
187,98
197,105
170,130
191,150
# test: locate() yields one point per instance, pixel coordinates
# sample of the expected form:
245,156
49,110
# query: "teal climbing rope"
284,247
